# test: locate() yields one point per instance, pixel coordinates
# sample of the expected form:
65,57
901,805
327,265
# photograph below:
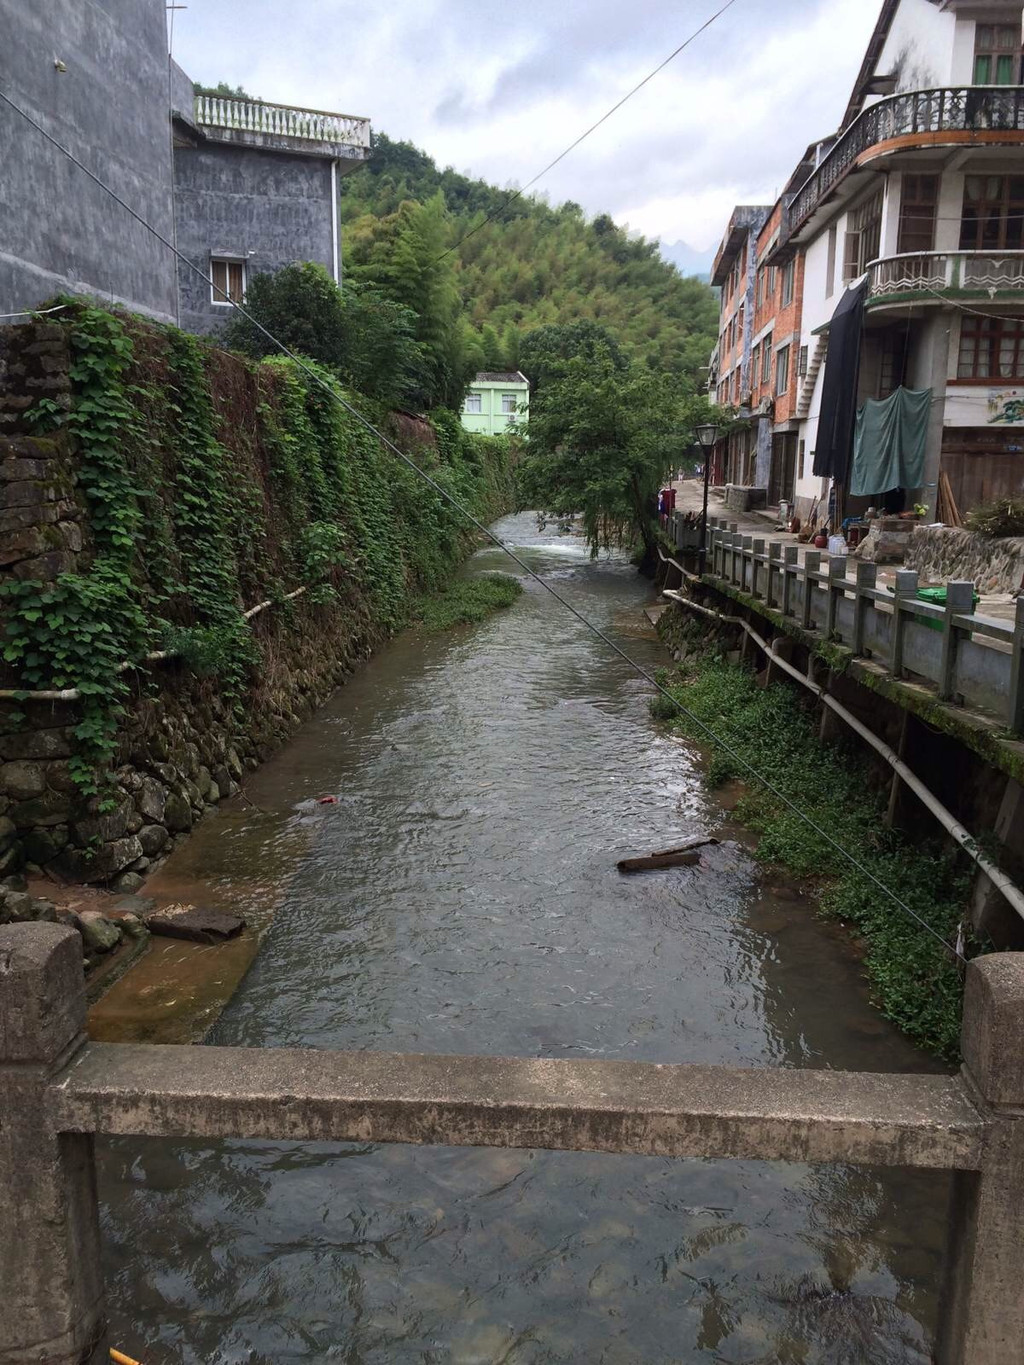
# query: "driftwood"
685,856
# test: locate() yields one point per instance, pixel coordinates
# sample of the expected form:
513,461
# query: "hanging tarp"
889,444
839,387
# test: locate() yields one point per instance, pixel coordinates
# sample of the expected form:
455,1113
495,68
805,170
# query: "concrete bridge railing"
57,1090
960,653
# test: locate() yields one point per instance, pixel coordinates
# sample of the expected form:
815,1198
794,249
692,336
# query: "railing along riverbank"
57,1090
966,657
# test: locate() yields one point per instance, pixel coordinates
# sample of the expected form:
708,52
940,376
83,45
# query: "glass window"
993,216
997,54
918,204
509,402
788,282
991,348
863,237
782,370
228,281
474,403
766,362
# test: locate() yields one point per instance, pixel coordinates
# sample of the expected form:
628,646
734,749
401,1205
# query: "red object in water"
328,801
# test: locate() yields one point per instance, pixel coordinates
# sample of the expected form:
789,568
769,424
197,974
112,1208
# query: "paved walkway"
690,498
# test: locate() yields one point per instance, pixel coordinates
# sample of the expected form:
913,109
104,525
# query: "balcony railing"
975,108
939,272
279,120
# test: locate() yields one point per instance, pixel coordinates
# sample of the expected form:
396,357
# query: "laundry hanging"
889,443
839,387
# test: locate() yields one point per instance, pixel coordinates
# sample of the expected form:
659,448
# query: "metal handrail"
972,108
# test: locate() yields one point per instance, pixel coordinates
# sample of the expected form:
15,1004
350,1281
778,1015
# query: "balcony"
935,276
282,127
963,115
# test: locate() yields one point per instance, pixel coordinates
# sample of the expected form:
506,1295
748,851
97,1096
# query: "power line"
516,194
496,540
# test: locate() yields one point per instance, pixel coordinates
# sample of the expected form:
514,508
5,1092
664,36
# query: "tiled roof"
501,377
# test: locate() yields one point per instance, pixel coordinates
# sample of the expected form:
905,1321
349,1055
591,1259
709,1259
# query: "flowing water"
461,896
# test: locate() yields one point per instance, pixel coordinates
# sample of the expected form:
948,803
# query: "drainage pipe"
946,819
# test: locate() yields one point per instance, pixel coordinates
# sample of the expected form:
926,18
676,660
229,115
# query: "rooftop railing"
955,109
281,120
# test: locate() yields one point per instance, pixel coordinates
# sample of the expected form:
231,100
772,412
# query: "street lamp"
707,436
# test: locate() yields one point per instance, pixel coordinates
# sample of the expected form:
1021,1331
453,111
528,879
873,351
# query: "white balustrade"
280,120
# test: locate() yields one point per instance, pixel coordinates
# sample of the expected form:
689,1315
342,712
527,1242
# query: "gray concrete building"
93,73
255,188
240,186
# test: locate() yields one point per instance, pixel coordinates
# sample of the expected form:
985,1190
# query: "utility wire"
516,194
496,540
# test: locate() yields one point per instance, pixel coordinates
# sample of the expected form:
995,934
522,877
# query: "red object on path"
328,801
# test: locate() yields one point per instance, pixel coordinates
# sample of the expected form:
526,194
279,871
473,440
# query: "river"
461,897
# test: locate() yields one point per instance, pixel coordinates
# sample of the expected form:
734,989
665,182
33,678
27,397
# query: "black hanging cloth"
839,388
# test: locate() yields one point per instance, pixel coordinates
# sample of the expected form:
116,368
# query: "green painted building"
495,402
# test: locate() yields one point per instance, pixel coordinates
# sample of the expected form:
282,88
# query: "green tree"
603,439
546,352
366,337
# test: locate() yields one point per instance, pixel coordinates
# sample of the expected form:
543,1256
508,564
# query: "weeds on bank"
466,602
915,981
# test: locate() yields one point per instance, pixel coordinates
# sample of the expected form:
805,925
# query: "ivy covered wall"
153,491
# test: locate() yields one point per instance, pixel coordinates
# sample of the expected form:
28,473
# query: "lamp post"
707,435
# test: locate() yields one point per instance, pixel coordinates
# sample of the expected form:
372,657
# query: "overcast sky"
499,89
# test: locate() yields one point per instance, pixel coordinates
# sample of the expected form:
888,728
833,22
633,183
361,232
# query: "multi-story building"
907,227
496,402
239,186
735,273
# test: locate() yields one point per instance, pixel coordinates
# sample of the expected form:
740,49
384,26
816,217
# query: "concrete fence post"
906,591
774,563
867,581
812,566
959,602
1016,697
982,1320
50,1245
836,592
757,553
791,561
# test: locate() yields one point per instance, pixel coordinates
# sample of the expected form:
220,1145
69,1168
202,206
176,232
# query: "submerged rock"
191,922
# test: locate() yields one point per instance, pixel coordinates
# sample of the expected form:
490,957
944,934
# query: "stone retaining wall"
942,553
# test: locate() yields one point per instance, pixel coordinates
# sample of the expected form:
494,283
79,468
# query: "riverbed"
461,896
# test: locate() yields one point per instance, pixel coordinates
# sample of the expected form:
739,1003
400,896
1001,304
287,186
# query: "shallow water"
462,897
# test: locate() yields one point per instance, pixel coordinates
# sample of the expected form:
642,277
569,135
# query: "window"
991,348
788,283
474,402
766,361
228,281
830,268
755,366
509,402
918,205
997,54
863,238
993,216
802,363
782,370
802,460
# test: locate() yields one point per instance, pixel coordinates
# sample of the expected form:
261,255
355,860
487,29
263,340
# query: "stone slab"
657,1110
194,923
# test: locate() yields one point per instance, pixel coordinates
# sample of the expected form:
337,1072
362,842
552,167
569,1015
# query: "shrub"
1002,518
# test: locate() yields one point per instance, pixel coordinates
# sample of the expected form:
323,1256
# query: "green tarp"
889,443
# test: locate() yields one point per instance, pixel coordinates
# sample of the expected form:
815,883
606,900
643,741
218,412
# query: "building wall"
235,200
59,230
920,48
491,421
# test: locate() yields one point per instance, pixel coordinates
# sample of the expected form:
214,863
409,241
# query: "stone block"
993,1030
23,779
178,813
99,865
152,839
99,934
22,470
151,800
8,833
42,1003
102,826
47,567
27,493
42,845
191,922
35,744
52,808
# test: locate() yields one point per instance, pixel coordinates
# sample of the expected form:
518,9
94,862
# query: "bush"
1002,518
468,601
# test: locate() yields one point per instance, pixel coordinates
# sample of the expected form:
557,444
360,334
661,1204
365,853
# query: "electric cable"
496,540
517,194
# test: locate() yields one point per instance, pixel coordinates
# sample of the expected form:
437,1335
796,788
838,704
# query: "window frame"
512,398
227,299
788,283
863,236
766,361
478,411
1007,55
918,213
989,342
1008,216
782,368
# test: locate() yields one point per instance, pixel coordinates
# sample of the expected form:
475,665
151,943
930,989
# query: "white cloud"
498,91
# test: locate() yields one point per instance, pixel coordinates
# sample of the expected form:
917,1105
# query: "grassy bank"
467,601
914,980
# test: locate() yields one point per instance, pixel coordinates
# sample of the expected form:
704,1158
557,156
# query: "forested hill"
534,265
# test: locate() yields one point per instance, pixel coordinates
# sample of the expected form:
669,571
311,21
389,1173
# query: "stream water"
462,897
